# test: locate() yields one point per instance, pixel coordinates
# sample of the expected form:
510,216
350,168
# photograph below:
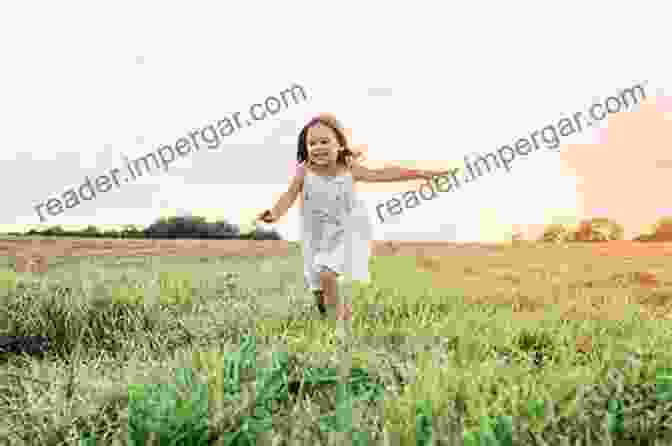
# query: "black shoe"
319,302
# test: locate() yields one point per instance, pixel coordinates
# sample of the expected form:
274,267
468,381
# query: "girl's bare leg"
342,306
329,288
339,309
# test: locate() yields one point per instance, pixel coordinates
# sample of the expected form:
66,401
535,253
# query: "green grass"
230,350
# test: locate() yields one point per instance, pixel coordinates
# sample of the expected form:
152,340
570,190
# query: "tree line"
192,227
603,230
186,227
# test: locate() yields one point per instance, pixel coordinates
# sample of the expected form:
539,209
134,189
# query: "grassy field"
533,343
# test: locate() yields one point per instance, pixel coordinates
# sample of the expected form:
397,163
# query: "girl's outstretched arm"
394,174
286,200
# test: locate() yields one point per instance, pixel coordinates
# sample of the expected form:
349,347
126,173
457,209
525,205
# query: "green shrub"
592,230
554,233
604,229
663,229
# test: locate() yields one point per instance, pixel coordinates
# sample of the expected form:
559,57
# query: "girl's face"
322,145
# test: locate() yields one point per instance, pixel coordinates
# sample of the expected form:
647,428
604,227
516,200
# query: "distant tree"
159,229
179,227
554,233
90,231
599,230
109,234
225,230
662,232
606,229
190,227
53,231
592,230
663,229
202,229
131,231
263,234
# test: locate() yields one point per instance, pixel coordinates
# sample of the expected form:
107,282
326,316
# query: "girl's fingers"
266,217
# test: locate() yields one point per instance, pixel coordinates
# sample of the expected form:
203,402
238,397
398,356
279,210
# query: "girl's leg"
312,282
319,302
329,283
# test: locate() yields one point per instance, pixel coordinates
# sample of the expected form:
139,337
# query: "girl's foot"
344,312
319,302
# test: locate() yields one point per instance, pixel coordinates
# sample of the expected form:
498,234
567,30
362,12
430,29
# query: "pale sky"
83,86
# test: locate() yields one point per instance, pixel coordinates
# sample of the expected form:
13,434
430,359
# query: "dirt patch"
632,249
272,248
215,248
584,281
128,247
418,249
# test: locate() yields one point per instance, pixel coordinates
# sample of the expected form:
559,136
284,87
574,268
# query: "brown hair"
345,156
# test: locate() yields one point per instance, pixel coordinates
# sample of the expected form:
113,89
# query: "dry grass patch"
581,284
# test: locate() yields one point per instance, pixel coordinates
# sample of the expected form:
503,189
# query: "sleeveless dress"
335,228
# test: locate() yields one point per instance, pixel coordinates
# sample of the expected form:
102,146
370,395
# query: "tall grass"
223,351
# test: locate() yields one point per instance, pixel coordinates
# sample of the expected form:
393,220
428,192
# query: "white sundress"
335,228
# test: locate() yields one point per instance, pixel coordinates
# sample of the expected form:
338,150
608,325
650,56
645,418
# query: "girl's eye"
322,141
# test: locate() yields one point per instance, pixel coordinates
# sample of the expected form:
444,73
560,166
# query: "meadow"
529,345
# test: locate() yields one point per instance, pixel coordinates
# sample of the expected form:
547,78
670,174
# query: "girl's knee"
327,276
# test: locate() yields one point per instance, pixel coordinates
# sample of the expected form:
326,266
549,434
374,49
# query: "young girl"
330,211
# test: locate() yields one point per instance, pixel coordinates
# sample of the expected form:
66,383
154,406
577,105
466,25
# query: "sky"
422,84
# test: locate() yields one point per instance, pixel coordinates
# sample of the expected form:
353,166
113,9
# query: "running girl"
330,211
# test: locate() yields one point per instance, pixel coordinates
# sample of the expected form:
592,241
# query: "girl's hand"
267,217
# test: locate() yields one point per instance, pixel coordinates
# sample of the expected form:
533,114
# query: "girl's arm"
286,200
393,174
